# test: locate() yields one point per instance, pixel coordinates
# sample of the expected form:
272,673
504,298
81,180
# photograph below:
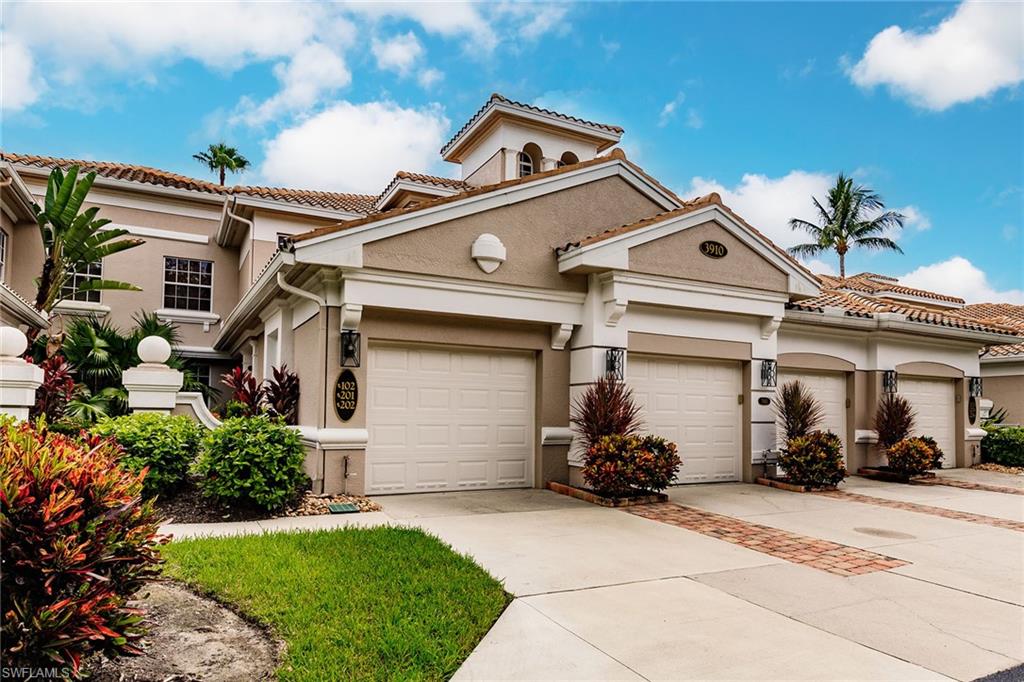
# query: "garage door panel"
442,419
934,402
829,388
692,403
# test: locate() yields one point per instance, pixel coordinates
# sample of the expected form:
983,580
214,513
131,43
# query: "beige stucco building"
441,329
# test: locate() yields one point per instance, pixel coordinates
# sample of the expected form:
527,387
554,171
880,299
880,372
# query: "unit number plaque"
346,395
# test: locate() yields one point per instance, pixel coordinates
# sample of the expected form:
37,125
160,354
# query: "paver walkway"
969,485
924,509
798,549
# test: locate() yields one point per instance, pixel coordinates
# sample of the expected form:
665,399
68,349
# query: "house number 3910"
713,249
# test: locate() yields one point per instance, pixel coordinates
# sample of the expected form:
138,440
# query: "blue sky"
762,102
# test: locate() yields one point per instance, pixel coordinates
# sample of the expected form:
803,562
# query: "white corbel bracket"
351,315
770,325
613,311
560,334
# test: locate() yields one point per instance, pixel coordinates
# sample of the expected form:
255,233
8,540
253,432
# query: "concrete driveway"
605,594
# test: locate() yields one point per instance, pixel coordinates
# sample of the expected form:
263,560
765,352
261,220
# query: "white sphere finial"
12,342
154,349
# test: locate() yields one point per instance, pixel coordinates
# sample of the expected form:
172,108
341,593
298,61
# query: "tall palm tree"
222,158
855,217
72,240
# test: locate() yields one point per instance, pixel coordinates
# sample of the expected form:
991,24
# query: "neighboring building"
1002,366
441,329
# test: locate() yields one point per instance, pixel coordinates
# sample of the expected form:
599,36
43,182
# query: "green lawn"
357,603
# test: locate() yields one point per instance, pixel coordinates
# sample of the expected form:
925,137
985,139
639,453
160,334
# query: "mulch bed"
887,474
641,497
999,468
783,484
188,505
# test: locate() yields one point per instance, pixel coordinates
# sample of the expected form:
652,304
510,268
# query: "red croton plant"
78,542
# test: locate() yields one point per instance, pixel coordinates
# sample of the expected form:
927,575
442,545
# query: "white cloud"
313,72
429,77
399,53
355,147
610,47
447,19
914,219
769,203
668,112
20,86
971,54
694,119
959,277
533,20
819,267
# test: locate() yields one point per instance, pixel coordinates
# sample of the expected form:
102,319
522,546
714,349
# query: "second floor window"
525,165
188,284
77,278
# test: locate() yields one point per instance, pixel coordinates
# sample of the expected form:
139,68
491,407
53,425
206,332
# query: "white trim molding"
188,317
81,308
560,334
556,435
333,439
195,402
868,436
139,231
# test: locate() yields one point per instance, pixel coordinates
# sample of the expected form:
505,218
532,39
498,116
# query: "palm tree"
855,217
72,240
222,158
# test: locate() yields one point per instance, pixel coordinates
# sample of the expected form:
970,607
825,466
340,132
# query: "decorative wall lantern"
615,363
890,381
350,348
769,373
974,387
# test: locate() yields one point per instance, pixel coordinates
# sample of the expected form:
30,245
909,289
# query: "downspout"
252,232
322,329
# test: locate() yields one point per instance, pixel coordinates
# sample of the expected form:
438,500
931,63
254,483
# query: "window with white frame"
78,277
3,255
525,165
188,284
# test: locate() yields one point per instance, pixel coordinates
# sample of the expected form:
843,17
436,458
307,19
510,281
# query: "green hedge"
252,460
1004,446
166,444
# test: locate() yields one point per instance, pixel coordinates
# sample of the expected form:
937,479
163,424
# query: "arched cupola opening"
530,159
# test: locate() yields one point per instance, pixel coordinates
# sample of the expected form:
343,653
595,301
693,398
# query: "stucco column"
19,378
153,386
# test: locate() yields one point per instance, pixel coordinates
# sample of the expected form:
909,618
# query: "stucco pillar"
19,378
153,386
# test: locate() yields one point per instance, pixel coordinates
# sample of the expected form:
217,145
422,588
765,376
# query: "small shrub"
78,542
282,395
252,460
893,420
166,444
936,451
814,460
798,411
606,408
68,426
1004,446
245,390
910,456
57,388
617,466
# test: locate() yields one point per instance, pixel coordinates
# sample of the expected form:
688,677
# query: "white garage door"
448,419
830,390
934,402
694,404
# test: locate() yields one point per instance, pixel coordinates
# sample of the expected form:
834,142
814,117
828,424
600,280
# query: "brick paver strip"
967,485
925,509
798,549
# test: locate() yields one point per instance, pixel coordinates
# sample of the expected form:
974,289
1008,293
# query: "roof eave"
258,295
21,199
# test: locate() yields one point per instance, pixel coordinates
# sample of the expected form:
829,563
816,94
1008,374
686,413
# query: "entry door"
693,403
934,401
443,419
830,390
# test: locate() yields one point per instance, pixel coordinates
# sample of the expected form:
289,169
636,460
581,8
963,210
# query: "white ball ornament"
12,342
154,349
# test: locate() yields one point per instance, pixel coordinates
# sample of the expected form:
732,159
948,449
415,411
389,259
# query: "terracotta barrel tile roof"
118,171
334,201
870,282
498,98
432,180
1005,314
856,305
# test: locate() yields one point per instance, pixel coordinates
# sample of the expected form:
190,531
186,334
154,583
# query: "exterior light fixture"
890,381
349,348
615,363
974,387
769,373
